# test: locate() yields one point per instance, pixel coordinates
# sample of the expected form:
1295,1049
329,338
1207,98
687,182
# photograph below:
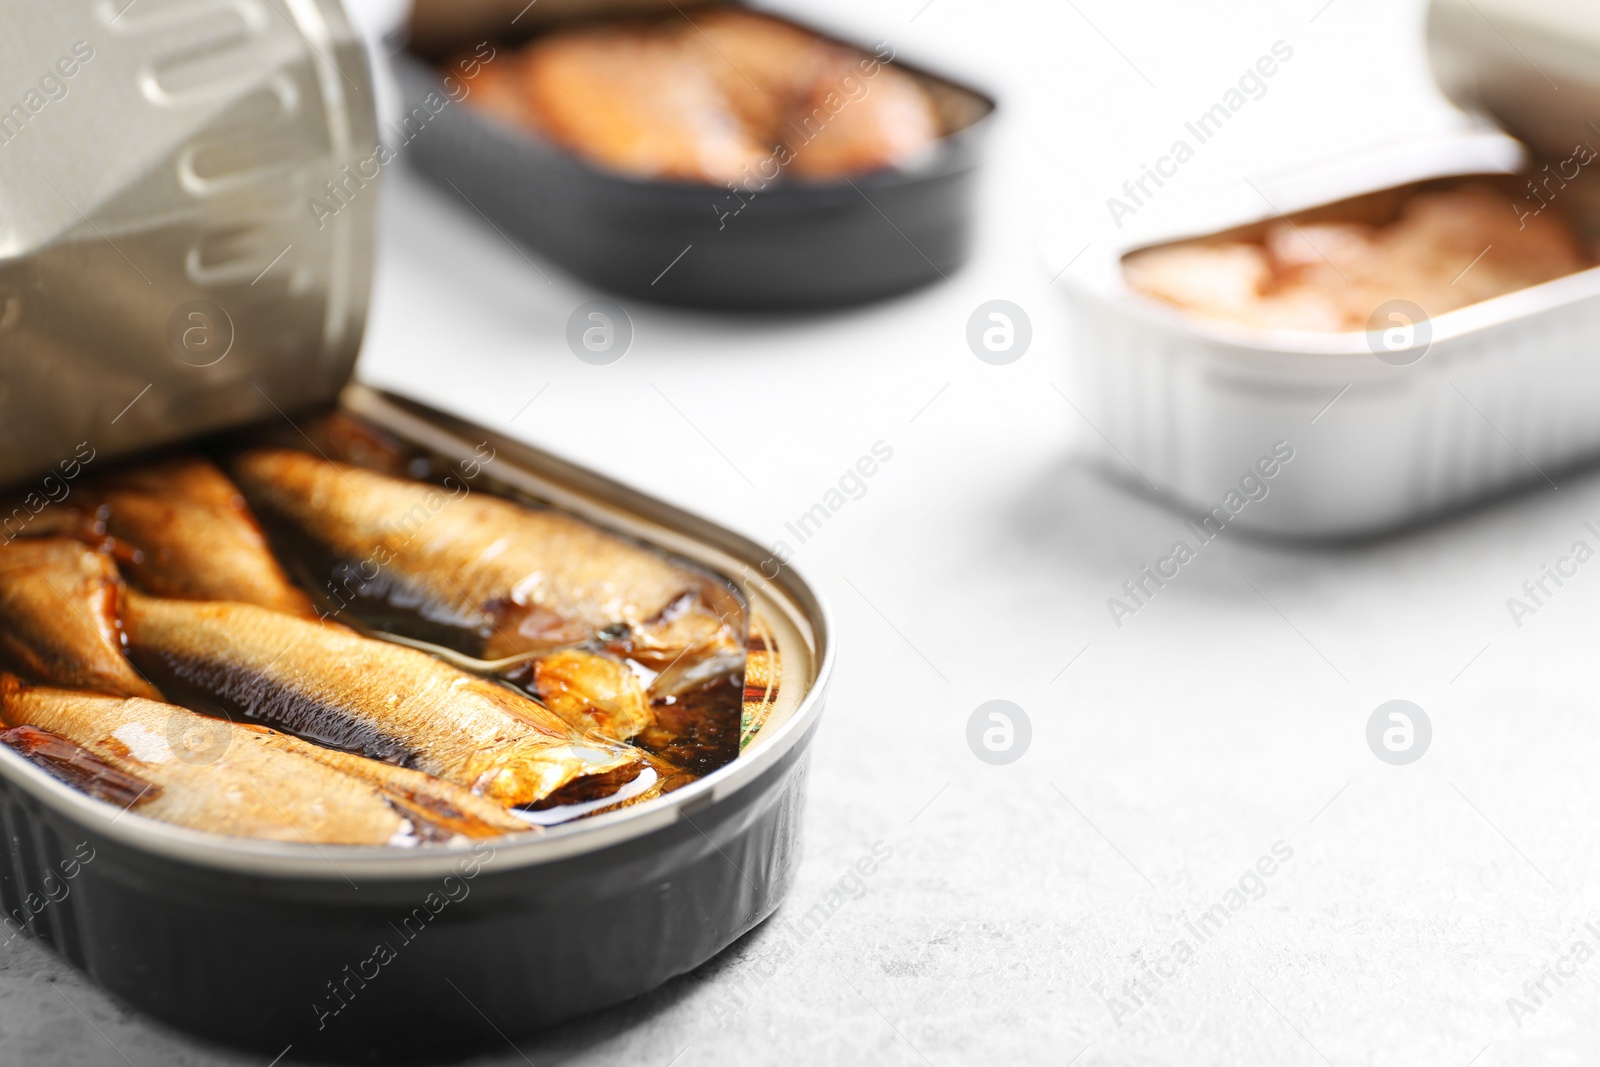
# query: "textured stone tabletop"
1198,859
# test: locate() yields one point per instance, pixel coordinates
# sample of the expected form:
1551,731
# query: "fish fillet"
181,529
592,692
507,578
812,94
1447,248
249,781
635,101
59,618
728,96
78,767
326,683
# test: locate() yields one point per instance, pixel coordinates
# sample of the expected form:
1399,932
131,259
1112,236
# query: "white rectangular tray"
1507,393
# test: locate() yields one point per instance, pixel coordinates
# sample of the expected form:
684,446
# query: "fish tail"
544,774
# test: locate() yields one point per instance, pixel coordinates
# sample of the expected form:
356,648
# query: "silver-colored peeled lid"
1532,66
187,195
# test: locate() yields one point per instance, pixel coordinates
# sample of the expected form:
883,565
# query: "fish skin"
181,529
78,767
520,579
422,796
325,682
260,784
59,602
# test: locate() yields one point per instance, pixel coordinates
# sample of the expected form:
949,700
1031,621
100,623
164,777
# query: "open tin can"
340,952
1385,427
786,244
268,945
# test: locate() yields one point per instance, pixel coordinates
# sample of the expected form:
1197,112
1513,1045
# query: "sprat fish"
180,528
591,691
323,682
243,780
484,575
59,622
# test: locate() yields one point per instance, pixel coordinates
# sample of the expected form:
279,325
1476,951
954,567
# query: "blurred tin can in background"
165,266
1434,412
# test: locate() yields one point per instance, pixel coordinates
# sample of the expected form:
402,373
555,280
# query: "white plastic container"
1384,429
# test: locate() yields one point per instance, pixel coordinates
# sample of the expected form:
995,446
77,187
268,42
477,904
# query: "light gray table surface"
1225,721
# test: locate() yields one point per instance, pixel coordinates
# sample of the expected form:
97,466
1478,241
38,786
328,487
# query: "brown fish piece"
421,796
180,528
484,575
321,681
78,767
591,691
813,95
688,720
59,617
247,780
627,97
725,96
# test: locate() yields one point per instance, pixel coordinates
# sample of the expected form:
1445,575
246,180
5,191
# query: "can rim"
1312,354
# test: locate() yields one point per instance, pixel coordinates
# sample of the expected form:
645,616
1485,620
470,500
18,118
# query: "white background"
1173,752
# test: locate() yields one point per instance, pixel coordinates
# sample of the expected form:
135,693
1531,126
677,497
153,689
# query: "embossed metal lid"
1533,66
164,268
